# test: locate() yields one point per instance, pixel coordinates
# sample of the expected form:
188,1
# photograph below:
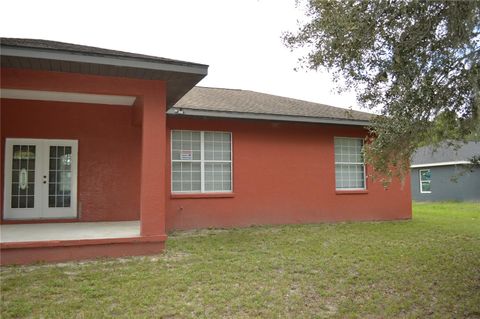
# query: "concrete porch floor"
68,231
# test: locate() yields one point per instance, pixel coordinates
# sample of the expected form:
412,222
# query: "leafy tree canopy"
418,62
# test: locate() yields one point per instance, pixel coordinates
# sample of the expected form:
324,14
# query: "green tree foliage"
418,62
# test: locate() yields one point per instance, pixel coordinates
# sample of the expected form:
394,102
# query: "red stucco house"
104,152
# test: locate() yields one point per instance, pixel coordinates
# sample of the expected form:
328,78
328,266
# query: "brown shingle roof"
446,153
243,101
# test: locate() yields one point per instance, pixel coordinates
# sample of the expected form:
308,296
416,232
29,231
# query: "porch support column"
1,162
152,175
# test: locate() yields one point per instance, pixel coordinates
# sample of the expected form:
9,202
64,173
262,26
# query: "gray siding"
467,188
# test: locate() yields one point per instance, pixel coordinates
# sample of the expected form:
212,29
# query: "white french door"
40,178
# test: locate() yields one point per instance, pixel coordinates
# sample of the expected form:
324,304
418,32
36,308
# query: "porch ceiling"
67,97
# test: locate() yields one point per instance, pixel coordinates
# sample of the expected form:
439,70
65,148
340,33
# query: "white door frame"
41,209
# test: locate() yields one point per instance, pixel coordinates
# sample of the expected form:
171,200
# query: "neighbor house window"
201,161
349,164
425,180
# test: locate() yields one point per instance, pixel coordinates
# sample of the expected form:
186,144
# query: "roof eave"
180,76
440,164
82,57
260,116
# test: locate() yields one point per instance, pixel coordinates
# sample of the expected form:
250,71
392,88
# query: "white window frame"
350,163
202,162
420,180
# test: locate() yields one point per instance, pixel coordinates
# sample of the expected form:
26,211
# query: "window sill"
352,192
202,195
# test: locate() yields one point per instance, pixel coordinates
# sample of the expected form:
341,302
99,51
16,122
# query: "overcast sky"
240,40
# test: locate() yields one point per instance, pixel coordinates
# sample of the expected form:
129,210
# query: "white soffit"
67,97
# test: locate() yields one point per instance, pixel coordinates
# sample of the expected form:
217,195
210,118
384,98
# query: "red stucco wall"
109,151
283,173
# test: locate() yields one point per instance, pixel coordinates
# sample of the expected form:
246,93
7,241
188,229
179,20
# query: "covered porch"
83,138
48,232
56,242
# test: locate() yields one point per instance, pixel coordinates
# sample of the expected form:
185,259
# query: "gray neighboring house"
432,173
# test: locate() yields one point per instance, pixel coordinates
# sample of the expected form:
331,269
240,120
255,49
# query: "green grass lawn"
427,267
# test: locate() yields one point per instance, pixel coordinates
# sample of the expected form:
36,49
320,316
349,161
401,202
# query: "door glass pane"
23,176
60,176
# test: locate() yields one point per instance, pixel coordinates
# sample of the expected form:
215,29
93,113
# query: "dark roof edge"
120,61
261,116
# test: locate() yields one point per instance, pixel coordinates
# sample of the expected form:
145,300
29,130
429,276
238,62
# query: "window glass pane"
176,186
196,186
176,135
425,175
23,176
196,146
197,155
218,156
227,186
218,177
218,137
208,186
196,137
176,155
186,145
426,187
209,155
176,145
226,137
186,135
186,177
208,137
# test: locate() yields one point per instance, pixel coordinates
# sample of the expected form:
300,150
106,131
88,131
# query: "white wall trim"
67,97
440,164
